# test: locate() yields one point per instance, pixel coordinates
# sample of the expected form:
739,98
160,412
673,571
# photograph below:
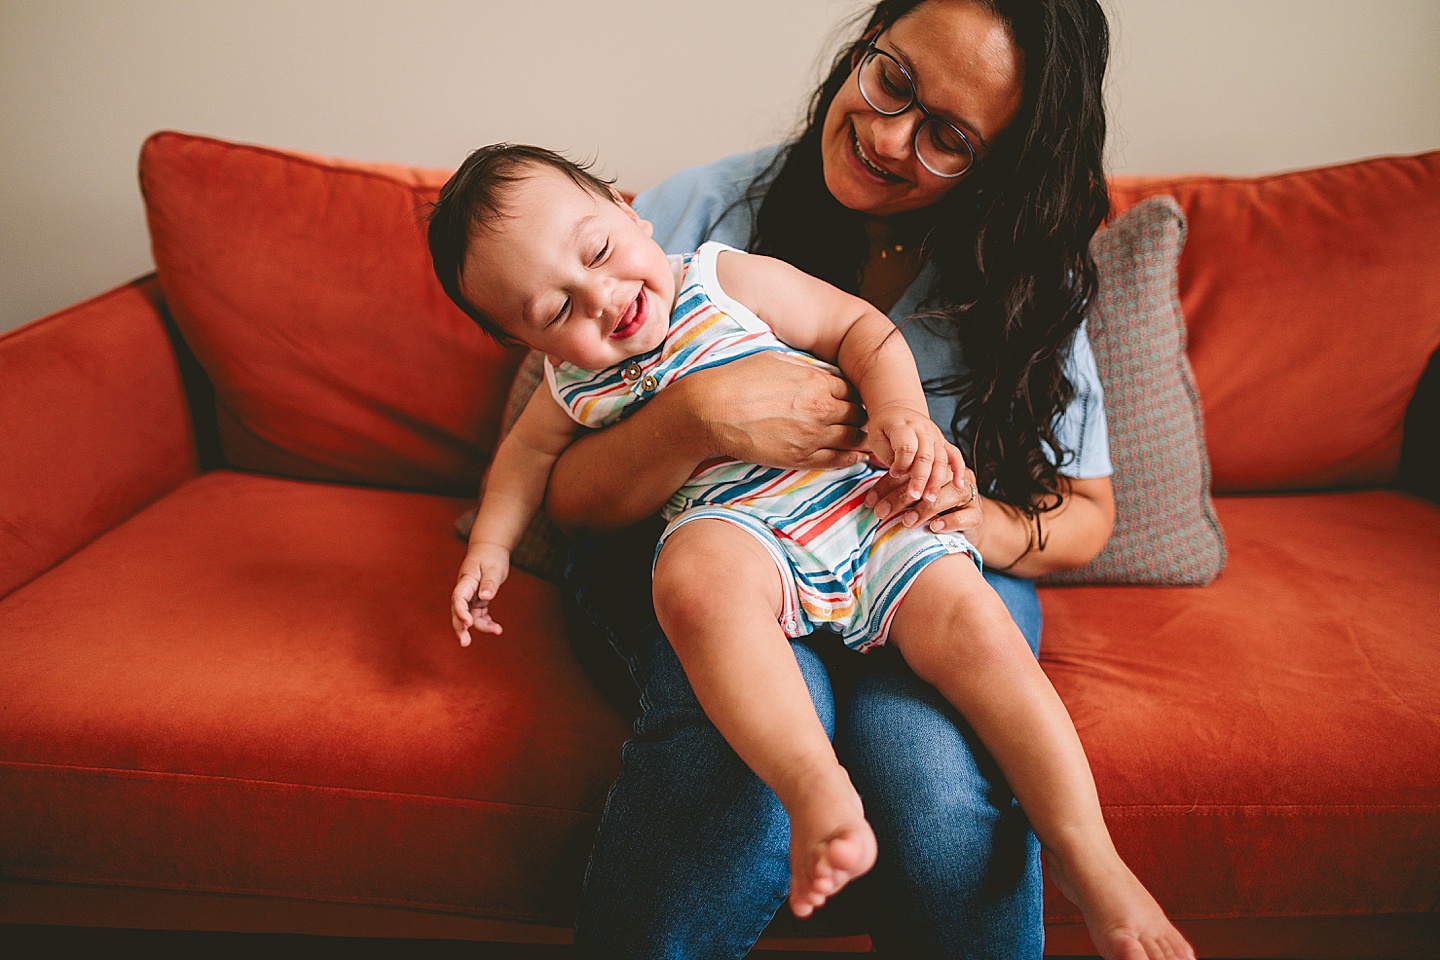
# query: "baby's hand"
485,567
913,446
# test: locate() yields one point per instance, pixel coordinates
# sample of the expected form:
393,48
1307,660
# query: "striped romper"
842,568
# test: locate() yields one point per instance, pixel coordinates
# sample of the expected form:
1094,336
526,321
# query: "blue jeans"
692,858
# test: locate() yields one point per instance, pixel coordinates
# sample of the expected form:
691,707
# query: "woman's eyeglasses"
889,89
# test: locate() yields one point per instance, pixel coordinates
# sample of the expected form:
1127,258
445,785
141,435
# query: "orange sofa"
229,698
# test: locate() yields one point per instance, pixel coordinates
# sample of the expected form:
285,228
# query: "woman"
950,172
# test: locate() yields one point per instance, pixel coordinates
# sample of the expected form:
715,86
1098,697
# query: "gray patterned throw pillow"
1166,531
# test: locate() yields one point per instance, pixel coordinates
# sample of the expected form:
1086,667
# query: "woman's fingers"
966,513
830,459
889,496
851,439
957,461
847,408
955,507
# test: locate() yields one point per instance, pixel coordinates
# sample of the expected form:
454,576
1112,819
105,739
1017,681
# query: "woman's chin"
850,194
861,193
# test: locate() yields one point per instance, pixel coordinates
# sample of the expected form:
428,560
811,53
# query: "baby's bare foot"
1123,918
830,842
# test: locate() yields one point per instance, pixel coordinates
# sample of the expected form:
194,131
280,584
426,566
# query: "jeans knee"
1020,598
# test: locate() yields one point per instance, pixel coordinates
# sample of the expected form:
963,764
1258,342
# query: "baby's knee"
707,567
956,616
682,596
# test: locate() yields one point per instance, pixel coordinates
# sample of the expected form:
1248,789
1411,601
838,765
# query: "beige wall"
648,86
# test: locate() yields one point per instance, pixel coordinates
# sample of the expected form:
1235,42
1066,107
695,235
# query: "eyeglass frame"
926,115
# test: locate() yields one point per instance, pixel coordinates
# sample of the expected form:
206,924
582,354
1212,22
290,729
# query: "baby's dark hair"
474,197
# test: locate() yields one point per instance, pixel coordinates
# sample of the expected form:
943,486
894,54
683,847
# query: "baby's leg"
718,595
956,634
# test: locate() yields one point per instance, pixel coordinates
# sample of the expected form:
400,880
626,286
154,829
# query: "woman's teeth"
855,146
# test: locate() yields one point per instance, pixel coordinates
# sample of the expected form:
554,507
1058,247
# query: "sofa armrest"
94,425
1419,460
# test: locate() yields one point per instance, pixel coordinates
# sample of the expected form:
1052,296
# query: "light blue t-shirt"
700,203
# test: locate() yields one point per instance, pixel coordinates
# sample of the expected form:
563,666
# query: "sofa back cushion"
304,287
1312,302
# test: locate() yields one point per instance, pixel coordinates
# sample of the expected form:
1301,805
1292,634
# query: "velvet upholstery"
230,699
1284,281
87,440
304,287
280,708
1267,746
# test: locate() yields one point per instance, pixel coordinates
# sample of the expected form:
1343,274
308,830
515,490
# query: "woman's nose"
892,135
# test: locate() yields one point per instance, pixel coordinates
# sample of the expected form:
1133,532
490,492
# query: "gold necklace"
885,252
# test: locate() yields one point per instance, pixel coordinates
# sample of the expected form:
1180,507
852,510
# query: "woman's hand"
1008,539
956,507
775,410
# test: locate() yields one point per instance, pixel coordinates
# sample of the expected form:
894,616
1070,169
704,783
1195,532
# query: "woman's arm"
1073,533
826,322
1068,536
763,409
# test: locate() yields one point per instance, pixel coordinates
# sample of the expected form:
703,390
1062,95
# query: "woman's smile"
868,165
966,68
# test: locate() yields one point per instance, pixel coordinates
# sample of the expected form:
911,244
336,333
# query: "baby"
538,250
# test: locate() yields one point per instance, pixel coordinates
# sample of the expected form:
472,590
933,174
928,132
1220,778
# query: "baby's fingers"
940,478
922,467
465,591
483,622
903,446
956,460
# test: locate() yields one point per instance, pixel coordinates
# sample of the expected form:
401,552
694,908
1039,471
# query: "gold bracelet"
1035,539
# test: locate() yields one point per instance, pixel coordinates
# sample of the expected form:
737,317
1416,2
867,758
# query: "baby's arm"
513,494
823,320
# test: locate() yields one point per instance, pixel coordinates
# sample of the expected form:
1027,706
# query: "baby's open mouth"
633,318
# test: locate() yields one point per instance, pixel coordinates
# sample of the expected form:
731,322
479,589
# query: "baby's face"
571,274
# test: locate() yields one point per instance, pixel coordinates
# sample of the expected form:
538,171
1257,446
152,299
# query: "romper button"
648,384
631,373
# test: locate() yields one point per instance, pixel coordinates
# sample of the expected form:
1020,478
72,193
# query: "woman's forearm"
1066,537
623,474
766,408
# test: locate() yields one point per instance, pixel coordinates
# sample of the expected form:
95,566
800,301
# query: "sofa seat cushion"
1266,746
251,686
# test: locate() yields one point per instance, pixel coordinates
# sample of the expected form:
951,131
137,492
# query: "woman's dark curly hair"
1010,240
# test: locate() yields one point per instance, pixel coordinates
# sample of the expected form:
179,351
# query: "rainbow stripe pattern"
842,568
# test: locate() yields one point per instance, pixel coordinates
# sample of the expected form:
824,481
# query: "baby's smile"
632,321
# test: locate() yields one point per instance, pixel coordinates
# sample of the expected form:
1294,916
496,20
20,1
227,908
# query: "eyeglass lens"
887,88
